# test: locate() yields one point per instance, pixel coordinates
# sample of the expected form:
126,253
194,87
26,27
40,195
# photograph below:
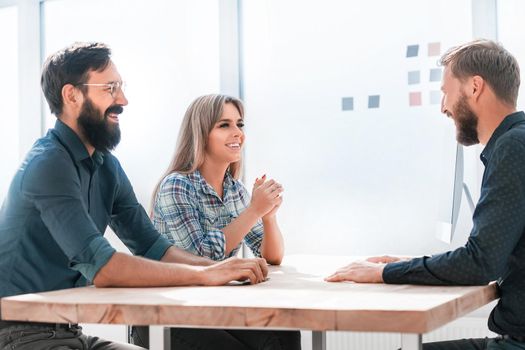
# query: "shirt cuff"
393,272
91,259
413,271
158,249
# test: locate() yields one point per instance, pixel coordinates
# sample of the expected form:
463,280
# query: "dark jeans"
476,344
39,336
228,339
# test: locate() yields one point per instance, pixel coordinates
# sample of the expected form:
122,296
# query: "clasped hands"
266,197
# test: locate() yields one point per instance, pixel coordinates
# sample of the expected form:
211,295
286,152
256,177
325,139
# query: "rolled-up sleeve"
92,258
53,186
176,203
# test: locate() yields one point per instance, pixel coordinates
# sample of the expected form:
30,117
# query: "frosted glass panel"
9,156
166,51
343,102
510,29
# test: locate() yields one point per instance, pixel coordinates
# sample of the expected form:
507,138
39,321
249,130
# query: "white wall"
510,26
367,181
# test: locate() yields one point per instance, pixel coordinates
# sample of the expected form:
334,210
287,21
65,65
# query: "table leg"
128,334
410,341
318,340
159,338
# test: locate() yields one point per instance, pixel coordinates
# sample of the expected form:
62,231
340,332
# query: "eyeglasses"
113,88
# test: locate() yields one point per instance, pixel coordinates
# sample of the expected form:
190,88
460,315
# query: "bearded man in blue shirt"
480,89
68,190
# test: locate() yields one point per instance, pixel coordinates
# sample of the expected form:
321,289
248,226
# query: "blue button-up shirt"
58,207
495,249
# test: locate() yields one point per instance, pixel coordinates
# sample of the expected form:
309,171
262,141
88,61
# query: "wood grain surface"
294,297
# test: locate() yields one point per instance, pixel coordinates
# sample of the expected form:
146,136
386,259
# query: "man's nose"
121,98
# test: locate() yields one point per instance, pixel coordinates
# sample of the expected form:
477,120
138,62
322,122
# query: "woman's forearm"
236,230
272,246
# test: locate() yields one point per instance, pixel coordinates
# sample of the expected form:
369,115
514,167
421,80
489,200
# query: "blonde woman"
202,207
200,204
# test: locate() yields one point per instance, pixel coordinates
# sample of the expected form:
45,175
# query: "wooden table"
295,297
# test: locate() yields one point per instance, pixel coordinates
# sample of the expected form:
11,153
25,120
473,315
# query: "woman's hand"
266,197
271,213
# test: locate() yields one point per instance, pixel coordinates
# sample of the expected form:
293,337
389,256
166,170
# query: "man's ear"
477,86
71,96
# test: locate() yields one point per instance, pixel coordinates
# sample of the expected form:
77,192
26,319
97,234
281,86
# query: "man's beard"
466,122
98,131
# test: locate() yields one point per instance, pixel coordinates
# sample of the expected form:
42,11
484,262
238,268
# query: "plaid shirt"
191,215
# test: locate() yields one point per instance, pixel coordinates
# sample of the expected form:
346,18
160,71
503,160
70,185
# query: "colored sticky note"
373,101
435,74
413,77
434,97
348,103
434,49
412,50
414,98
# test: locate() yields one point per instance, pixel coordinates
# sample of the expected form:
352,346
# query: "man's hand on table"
234,269
359,271
368,271
386,259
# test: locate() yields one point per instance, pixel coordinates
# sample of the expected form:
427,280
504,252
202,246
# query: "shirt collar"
74,145
229,183
507,124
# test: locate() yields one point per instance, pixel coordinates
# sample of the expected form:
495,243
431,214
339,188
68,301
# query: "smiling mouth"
113,112
113,117
234,146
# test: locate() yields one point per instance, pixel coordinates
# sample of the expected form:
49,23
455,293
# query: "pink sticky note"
434,49
414,98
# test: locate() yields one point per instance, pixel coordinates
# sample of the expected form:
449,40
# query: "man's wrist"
380,276
198,276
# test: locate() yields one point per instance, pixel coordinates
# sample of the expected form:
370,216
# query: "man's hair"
490,61
71,65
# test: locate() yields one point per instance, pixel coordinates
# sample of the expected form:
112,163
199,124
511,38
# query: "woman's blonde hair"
200,118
